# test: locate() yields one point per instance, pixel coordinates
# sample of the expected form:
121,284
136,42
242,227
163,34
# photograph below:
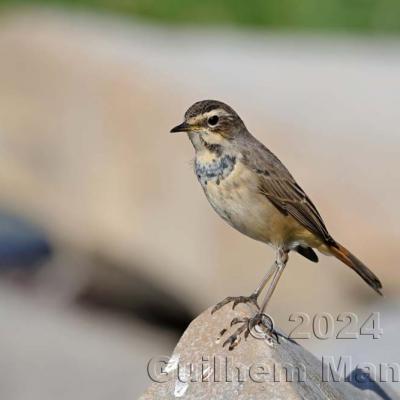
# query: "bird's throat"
213,167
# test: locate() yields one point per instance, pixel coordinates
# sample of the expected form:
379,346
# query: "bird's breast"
232,190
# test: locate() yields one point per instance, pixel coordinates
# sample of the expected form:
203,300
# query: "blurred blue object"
22,244
364,381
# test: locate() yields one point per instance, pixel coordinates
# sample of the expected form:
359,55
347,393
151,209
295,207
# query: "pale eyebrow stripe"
219,111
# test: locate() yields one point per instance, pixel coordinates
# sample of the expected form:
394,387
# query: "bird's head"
210,122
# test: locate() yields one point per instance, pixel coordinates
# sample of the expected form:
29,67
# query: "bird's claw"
233,341
248,325
236,300
235,338
238,321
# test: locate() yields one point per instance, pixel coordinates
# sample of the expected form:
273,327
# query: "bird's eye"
212,121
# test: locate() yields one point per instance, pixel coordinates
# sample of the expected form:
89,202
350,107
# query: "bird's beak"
183,127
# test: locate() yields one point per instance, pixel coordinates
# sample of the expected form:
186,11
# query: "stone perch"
200,368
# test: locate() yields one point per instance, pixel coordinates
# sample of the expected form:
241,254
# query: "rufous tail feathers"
355,264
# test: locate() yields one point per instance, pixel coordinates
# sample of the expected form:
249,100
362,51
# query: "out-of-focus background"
108,247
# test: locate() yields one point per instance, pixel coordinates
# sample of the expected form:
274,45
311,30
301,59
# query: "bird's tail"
356,265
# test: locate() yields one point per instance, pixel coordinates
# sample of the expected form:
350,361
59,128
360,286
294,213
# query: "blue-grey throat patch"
216,170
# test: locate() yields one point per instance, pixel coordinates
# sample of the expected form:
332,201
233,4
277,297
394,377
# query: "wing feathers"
283,191
286,196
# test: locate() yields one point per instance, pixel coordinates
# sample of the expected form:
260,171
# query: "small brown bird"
249,187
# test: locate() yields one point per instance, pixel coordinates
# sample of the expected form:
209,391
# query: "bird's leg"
281,261
252,299
261,319
264,281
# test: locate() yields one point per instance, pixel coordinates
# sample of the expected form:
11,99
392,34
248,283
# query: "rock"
201,368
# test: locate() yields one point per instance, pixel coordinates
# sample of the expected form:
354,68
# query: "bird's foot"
252,299
260,326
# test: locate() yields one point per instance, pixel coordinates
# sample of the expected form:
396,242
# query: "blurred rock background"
108,247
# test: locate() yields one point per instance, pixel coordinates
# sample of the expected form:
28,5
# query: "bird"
252,190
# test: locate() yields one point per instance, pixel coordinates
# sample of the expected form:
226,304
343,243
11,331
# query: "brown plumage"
277,184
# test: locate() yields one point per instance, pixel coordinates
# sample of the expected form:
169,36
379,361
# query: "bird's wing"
280,188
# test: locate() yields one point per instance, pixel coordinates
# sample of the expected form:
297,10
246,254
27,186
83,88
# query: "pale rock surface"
279,370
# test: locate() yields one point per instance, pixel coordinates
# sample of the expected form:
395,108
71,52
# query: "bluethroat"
250,188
